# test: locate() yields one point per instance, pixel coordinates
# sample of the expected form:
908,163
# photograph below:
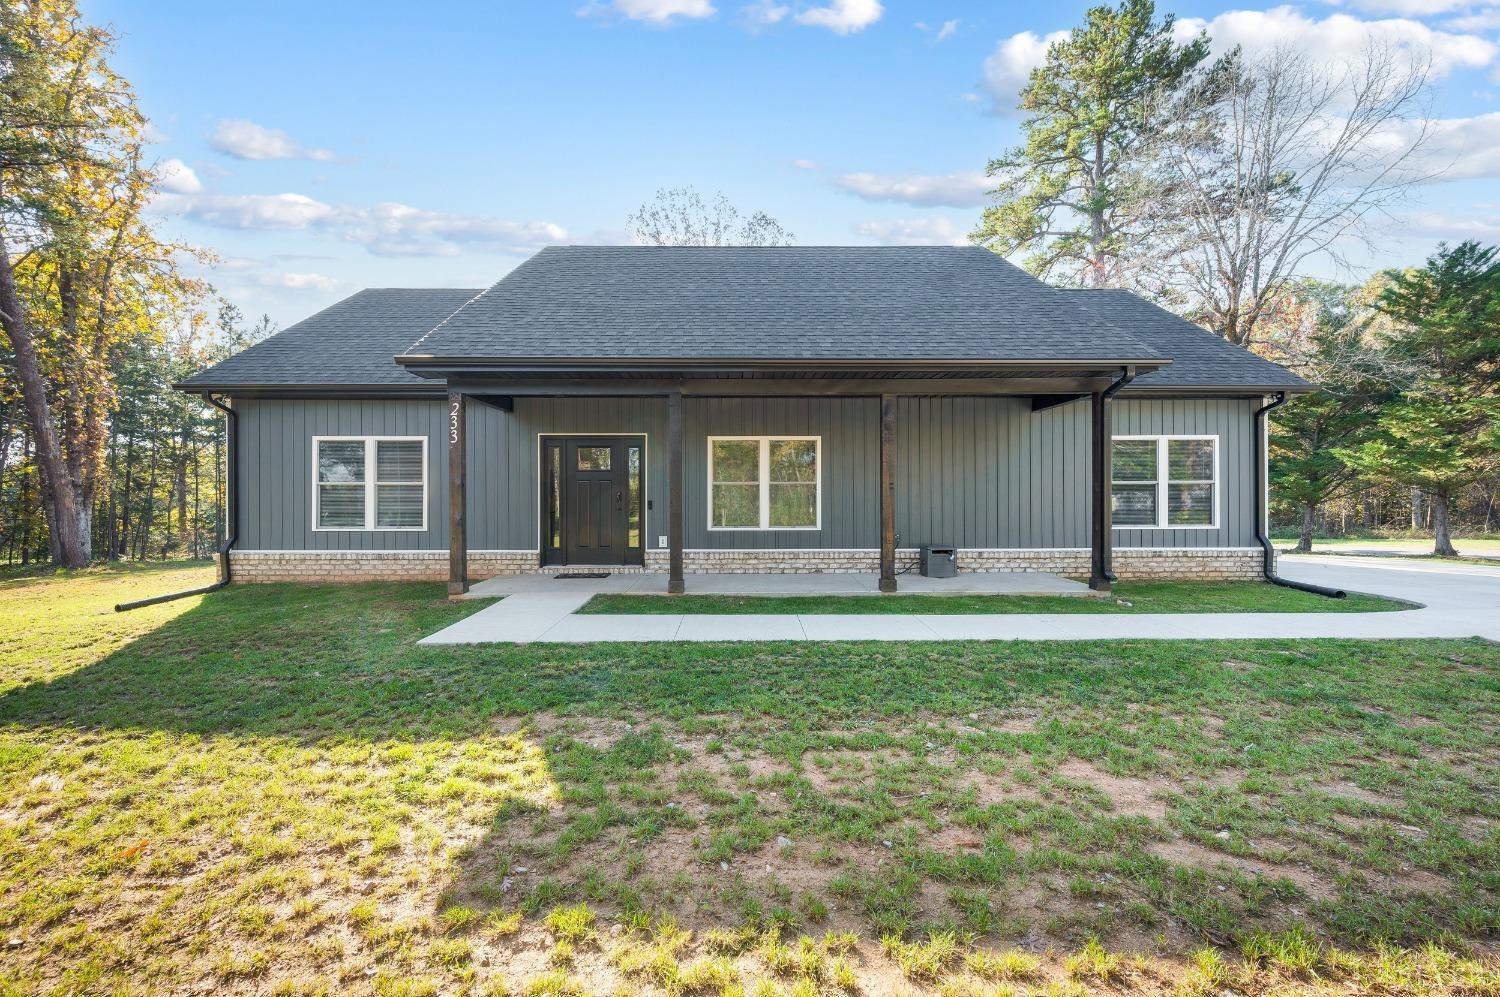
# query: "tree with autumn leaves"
81,271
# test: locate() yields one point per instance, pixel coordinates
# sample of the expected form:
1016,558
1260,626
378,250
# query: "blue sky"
319,148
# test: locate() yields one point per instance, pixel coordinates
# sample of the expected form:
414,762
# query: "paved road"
1459,600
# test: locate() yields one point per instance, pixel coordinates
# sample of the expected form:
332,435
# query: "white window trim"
765,484
1162,483
369,483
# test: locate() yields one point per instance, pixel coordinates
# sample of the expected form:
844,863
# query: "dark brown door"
593,493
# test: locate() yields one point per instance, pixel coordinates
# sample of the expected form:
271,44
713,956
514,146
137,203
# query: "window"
764,483
1165,482
369,483
593,458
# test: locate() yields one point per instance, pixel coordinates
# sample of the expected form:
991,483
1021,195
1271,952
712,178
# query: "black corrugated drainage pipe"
1262,513
232,522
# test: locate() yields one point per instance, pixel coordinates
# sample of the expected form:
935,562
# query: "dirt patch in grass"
1128,797
1182,852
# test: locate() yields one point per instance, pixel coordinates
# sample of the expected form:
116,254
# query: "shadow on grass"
315,665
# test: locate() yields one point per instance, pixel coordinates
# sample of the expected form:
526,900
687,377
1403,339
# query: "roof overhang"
452,368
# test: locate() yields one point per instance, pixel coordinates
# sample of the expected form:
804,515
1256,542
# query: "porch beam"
675,512
737,387
887,493
458,461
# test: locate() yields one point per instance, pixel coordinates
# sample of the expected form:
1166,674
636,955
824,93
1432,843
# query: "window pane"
554,500
737,460
1135,460
1190,460
593,458
341,505
398,505
1190,505
736,505
794,505
1134,505
341,460
633,512
794,460
398,460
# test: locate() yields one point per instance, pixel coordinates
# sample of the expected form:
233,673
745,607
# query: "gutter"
1262,506
231,534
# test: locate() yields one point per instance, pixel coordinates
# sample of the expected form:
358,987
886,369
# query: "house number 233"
453,420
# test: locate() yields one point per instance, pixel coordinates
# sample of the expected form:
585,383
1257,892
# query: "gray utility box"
939,562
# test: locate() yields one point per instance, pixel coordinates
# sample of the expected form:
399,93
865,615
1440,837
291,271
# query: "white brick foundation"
1207,563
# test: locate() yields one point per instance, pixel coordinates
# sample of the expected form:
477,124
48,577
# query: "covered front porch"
893,448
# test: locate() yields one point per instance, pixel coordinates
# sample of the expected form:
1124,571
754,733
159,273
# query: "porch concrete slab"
855,583
702,626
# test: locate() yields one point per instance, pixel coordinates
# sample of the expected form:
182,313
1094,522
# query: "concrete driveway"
1459,600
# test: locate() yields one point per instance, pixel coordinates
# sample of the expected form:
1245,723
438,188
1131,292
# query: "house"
747,410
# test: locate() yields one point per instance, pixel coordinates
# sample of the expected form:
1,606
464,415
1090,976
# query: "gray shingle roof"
1199,357
824,303
348,343
811,303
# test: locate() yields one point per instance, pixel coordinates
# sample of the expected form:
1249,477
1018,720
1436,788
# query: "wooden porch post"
675,511
1101,474
887,493
458,535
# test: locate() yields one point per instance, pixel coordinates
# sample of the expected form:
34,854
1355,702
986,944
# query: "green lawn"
1128,597
1481,549
273,789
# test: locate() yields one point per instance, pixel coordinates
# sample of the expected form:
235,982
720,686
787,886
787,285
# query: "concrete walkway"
1459,600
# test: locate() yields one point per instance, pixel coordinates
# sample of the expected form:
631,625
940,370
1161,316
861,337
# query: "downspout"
1127,374
232,521
1262,511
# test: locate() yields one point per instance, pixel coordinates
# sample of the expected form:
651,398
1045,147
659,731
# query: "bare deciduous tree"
679,216
1276,161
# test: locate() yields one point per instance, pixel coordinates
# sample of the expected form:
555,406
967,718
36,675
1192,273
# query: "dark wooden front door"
592,491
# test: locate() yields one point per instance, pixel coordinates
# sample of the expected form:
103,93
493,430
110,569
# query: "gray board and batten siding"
977,472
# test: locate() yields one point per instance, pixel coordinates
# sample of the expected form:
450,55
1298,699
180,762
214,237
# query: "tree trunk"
150,515
1416,510
1309,521
1442,543
68,521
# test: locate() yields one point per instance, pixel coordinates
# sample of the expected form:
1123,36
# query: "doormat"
583,574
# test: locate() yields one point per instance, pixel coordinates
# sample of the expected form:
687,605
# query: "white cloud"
842,16
804,164
957,190
1456,148
1409,8
392,229
1451,228
914,232
1484,20
386,229
247,140
296,281
763,14
176,177
660,12
1009,66
249,211
1339,40
947,30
